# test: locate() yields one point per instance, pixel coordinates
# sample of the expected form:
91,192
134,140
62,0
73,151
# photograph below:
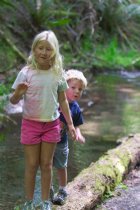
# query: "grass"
98,56
112,56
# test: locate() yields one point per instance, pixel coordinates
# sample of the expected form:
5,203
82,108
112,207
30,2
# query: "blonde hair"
52,39
76,74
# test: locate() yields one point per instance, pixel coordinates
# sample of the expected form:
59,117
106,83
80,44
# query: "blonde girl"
42,86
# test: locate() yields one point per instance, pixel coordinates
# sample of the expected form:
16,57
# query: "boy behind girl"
77,83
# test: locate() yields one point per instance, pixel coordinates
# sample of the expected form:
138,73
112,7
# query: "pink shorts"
34,132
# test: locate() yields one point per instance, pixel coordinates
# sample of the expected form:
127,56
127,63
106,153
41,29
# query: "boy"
77,83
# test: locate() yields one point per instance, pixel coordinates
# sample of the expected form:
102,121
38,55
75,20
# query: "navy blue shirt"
77,118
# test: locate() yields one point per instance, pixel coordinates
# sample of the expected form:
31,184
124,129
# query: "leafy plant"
111,55
81,26
119,18
122,186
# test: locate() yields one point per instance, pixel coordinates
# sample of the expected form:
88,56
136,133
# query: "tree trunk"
87,189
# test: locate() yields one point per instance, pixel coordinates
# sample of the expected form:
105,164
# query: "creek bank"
101,177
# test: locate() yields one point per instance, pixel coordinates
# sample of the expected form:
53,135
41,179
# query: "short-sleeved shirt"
41,98
77,118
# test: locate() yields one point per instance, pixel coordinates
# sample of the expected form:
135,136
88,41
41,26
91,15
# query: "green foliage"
8,58
2,116
3,89
119,18
113,56
110,194
122,186
107,195
17,208
33,16
86,30
2,136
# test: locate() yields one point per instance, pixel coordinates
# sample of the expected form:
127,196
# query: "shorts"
34,132
60,159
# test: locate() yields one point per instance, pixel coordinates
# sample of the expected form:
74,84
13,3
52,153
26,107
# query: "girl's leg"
32,158
46,160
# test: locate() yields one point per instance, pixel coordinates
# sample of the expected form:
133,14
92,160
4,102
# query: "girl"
42,85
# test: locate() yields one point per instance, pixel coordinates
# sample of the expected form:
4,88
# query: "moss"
109,171
124,156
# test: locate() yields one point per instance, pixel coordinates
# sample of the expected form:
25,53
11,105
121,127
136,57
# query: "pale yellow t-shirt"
41,99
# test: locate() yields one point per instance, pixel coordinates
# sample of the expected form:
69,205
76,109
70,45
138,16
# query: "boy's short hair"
76,74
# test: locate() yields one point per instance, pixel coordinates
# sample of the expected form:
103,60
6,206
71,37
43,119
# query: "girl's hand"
19,92
21,89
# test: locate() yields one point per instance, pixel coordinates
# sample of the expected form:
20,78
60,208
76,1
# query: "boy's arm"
80,137
64,106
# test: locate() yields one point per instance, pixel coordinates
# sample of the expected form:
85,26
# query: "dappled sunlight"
137,94
126,89
91,128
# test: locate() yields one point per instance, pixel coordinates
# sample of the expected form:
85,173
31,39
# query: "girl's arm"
64,106
80,137
18,93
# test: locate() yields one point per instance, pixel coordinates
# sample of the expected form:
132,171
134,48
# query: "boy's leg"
60,163
60,197
62,177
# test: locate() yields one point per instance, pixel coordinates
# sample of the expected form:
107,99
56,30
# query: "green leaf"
61,22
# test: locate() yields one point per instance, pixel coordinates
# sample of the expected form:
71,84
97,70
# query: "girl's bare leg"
32,158
46,160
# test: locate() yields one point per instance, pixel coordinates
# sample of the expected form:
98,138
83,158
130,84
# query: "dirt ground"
125,198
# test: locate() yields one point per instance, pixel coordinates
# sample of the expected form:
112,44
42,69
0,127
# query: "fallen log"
87,189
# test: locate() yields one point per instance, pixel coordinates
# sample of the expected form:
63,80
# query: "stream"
110,107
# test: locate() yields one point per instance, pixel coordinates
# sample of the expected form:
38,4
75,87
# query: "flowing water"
111,110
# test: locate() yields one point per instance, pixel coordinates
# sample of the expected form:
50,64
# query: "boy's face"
75,90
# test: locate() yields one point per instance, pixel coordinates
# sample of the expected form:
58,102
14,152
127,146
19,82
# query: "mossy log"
87,189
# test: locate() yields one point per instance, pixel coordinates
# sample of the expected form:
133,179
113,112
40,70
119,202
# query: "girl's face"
43,55
75,90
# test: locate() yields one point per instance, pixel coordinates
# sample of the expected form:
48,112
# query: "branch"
13,46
